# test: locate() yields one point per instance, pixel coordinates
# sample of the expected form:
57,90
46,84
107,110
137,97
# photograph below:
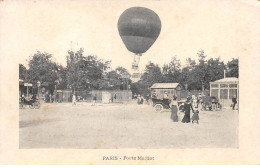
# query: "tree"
151,75
123,73
43,69
86,72
62,77
22,72
215,70
233,68
197,76
191,64
172,71
187,73
114,80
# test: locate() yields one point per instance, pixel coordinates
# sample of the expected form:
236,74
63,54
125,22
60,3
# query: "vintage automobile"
161,104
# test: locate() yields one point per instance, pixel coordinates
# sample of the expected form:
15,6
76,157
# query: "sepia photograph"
139,75
79,96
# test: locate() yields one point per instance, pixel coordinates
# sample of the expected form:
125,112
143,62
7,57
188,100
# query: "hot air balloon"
139,28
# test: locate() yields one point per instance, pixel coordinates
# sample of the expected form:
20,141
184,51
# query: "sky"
221,28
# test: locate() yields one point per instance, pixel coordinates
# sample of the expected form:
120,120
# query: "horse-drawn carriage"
211,103
32,101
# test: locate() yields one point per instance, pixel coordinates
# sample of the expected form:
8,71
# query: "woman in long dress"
187,107
175,109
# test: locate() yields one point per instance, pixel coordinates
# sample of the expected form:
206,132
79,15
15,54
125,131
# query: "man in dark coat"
234,100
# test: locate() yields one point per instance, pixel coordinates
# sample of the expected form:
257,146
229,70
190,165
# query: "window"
232,92
161,91
233,85
223,85
171,91
223,93
214,85
214,92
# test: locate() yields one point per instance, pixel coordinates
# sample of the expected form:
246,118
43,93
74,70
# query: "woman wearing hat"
187,107
175,109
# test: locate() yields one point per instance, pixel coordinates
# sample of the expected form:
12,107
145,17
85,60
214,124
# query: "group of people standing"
187,107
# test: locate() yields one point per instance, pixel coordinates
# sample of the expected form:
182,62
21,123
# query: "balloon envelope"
139,28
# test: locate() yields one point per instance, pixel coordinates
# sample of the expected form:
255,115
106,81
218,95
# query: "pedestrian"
175,109
142,100
147,98
187,107
112,97
202,96
198,100
154,95
54,98
138,99
165,95
73,99
195,116
50,98
234,101
194,101
94,100
207,102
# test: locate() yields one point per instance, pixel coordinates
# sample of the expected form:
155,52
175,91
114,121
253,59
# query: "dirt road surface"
123,126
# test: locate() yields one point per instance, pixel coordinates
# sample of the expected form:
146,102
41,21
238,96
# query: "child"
195,116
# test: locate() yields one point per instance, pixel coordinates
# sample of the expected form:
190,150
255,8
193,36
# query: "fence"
105,96
114,96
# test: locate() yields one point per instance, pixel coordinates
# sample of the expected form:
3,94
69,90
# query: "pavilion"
224,89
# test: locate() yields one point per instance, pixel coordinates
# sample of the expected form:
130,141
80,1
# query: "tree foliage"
22,72
85,72
196,76
88,72
42,69
233,68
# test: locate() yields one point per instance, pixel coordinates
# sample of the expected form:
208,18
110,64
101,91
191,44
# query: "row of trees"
193,76
81,72
89,72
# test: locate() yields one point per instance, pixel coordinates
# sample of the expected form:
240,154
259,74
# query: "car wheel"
31,106
213,107
21,106
37,105
181,108
158,107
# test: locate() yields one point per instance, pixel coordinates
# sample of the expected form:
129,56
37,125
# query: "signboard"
125,76
27,84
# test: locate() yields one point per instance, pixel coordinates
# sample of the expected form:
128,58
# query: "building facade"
171,89
224,89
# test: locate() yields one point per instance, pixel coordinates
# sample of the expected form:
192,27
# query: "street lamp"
186,86
226,71
38,85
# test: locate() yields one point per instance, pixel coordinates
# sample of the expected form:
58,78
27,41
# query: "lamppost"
228,70
38,85
202,85
186,86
